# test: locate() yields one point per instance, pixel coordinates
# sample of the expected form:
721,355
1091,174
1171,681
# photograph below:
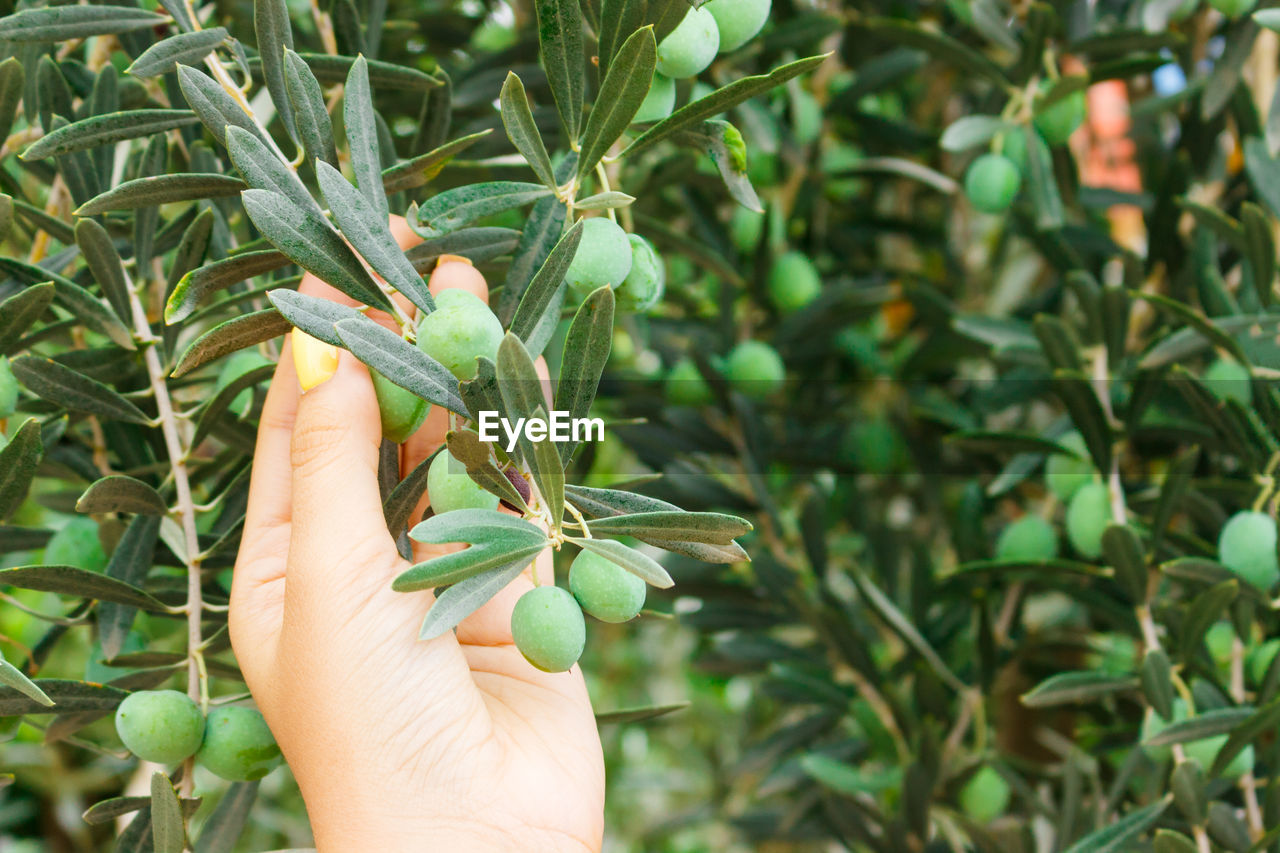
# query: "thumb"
339,539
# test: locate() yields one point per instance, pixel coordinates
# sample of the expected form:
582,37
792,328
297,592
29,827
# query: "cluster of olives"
547,624
166,727
993,179
608,256
718,26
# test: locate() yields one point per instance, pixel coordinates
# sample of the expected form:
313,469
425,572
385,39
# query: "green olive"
1088,515
1230,380
401,410
162,726
607,591
548,628
793,282
686,385
659,101
985,796
690,47
1063,474
991,183
1029,539
755,370
460,330
738,21
1247,546
76,544
603,258
450,487
1060,119
238,745
643,287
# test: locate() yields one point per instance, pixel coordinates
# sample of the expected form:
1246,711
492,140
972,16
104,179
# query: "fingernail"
453,259
314,360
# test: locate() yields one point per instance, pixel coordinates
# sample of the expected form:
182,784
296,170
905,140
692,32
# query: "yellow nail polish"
453,259
314,360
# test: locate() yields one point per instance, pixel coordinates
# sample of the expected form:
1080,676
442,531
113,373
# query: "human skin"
456,743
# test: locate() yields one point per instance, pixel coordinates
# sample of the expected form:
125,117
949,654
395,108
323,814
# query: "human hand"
454,744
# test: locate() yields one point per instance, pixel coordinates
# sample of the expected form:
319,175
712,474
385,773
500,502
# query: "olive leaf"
184,48
19,311
401,362
451,209
539,309
263,170
121,493
422,169
15,679
517,118
310,115
623,90
560,38
18,461
230,336
105,130
711,528
64,387
313,314
362,138
161,189
168,832
639,564
275,36
81,583
586,350
64,23
198,284
67,696
496,539
466,597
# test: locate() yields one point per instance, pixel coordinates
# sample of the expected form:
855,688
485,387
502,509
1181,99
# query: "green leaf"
1123,551
368,231
478,244
196,285
414,173
1042,184
275,35
466,597
638,715
901,625
64,23
404,498
1070,688
586,349
362,137
313,314
168,833
451,209
522,130
130,562
560,37
542,231
263,170
845,778
18,461
521,391
12,81
466,447
106,130
623,90
223,828
721,100
184,48
308,240
938,45
723,143
712,528
105,264
14,678
212,411
81,583
639,564
539,310
1260,249
216,109
1080,396
162,189
620,18
608,200
970,132
193,246
1219,721
233,335
1204,610
497,540
19,311
335,69
1157,682
401,362
1117,836
67,696
121,493
13,538
310,114
64,387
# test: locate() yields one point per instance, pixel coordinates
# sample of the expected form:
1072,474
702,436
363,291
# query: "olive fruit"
738,21
76,544
793,282
755,370
237,365
1029,539
985,795
686,386
548,628
450,488
238,745
1088,515
1060,119
162,726
745,228
659,101
607,591
1247,546
603,257
1015,148
1233,8
8,389
690,47
401,410
874,446
991,183
643,286
1063,474
461,329
1230,380
1203,751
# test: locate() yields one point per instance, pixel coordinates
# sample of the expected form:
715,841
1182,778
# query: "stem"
1248,785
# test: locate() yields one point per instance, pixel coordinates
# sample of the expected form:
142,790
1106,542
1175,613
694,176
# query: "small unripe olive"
604,589
548,628
745,228
991,183
461,329
238,745
401,410
1247,546
1218,640
686,386
806,117
1233,8
1060,119
690,47
1088,515
985,796
1230,380
603,257
793,282
1203,751
643,286
659,101
450,488
8,389
162,726
738,21
76,544
1063,474
1029,539
237,365
755,370
1015,148
874,445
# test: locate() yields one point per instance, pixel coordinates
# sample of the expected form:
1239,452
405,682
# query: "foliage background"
845,684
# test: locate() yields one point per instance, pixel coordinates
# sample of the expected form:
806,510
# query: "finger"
456,272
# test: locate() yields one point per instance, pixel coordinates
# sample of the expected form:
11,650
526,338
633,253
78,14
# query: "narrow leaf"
362,137
105,264
224,826
195,286
464,598
586,349
535,311
623,90
18,461
106,130
121,493
19,311
14,678
310,115
639,564
233,335
130,562
67,696
560,37
81,583
64,387
522,130
313,314
451,209
162,189
64,23
263,170
168,834
414,173
401,362
184,48
275,35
